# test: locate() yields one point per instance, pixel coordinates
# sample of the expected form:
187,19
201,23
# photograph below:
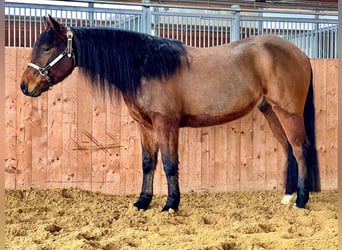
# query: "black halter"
44,71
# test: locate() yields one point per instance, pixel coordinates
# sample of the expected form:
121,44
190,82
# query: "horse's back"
220,84
231,79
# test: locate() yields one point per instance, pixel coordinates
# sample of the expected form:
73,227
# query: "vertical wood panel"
24,128
159,177
281,166
205,158
137,164
39,140
39,128
183,148
259,138
55,136
195,158
69,140
271,151
220,165
99,142
233,159
84,129
211,159
331,123
113,133
246,152
320,92
129,151
11,90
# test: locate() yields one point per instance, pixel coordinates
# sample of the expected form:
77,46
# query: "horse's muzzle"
25,91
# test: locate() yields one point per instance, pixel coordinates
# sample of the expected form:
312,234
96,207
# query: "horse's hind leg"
274,123
291,164
149,162
294,128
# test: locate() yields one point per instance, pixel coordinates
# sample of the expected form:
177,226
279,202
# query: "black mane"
118,59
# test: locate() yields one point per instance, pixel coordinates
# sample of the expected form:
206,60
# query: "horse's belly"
216,116
205,120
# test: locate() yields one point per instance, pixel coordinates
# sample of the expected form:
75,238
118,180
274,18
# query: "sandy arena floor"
75,219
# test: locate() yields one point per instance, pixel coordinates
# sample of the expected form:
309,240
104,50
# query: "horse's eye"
46,49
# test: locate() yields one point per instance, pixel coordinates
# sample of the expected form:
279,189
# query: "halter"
44,71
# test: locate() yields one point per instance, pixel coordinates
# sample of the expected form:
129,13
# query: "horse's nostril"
23,87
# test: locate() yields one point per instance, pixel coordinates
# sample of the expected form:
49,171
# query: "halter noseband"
44,71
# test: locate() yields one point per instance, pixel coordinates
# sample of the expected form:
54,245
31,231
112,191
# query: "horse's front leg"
170,164
167,135
149,162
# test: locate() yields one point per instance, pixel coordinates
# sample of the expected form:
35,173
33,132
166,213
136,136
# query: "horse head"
52,59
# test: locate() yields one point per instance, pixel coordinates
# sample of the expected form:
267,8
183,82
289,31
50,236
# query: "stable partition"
73,137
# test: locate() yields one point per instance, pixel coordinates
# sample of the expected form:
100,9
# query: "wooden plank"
331,123
69,159
60,124
246,152
84,129
183,148
24,128
137,164
320,99
211,162
195,158
281,166
11,91
259,152
113,132
220,149
205,159
39,140
271,149
233,155
55,136
99,142
127,152
159,177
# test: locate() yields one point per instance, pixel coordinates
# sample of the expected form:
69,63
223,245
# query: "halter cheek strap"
44,71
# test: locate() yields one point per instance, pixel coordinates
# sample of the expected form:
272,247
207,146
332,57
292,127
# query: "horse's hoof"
296,207
301,201
140,205
299,206
287,199
169,209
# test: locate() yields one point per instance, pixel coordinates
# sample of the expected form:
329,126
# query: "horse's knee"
149,162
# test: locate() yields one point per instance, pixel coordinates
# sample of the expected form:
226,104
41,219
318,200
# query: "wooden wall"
69,137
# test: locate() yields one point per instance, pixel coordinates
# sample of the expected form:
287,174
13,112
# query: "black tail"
311,156
309,121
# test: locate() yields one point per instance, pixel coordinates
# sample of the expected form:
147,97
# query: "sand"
76,219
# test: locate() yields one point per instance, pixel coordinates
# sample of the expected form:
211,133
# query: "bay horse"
167,85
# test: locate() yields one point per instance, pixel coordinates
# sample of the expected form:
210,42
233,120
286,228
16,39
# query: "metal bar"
316,36
9,28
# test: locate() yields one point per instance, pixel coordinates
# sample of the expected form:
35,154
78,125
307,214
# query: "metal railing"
315,33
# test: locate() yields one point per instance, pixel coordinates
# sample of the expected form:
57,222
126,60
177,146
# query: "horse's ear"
45,22
50,22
